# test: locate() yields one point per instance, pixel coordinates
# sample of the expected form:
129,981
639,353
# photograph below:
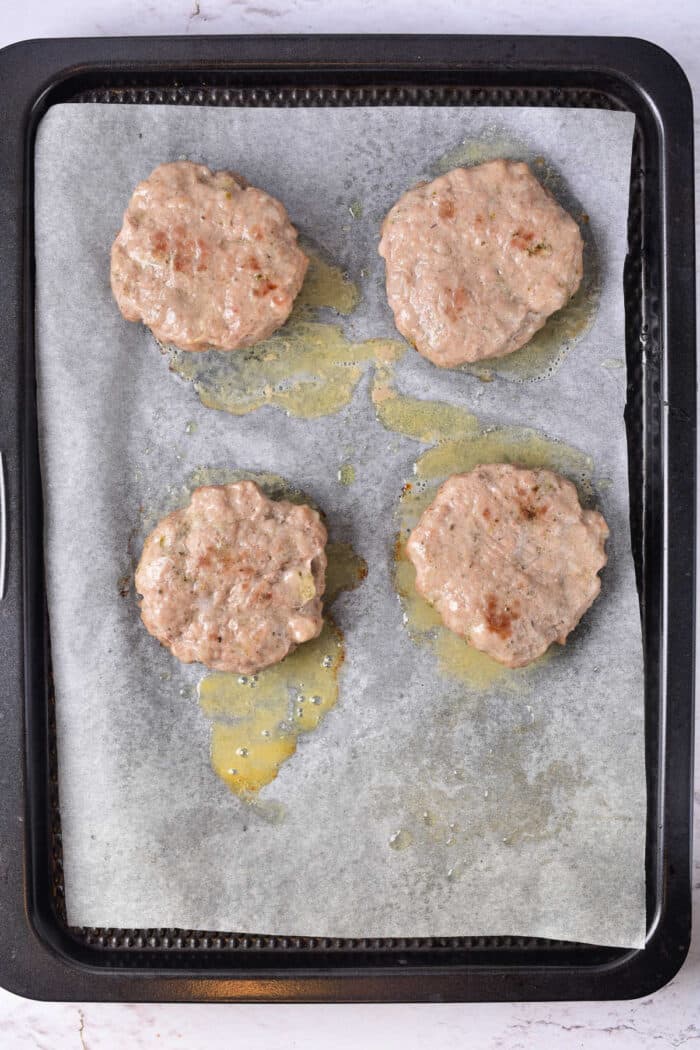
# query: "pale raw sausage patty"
477,260
205,260
509,559
234,579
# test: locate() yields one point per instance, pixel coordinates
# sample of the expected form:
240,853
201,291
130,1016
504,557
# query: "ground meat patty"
477,260
234,580
509,559
205,260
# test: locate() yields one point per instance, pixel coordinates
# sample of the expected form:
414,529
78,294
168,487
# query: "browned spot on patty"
500,621
531,510
446,209
527,502
264,288
522,239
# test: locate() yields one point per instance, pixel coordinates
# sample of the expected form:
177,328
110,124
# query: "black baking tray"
40,955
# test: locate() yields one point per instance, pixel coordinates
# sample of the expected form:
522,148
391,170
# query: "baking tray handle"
3,528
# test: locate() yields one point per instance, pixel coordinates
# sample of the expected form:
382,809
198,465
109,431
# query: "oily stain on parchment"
516,793
507,800
460,446
308,368
347,475
543,355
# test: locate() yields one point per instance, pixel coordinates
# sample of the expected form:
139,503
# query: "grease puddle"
308,368
257,719
543,355
463,447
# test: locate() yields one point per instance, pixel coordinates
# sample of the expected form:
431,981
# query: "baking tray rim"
661,87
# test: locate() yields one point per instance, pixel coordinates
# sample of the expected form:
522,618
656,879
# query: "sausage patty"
477,260
234,580
509,559
205,260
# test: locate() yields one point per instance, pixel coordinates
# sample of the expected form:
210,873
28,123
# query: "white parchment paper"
540,793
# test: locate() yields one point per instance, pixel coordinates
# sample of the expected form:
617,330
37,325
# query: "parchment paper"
541,793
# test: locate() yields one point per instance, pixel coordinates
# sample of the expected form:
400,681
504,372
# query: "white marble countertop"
671,1017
